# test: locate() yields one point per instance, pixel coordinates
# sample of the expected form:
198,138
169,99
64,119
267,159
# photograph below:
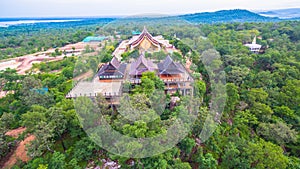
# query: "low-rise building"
112,70
253,47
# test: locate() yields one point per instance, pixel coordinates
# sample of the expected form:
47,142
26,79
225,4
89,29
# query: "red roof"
145,34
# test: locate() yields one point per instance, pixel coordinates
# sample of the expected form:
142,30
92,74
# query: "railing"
121,89
74,86
181,84
138,81
105,94
177,80
135,81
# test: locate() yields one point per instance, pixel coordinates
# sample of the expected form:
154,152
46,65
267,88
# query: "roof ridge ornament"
115,62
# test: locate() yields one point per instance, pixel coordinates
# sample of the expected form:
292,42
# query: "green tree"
30,94
200,88
57,161
6,143
84,149
147,85
7,121
206,161
32,119
265,155
178,164
290,95
262,111
279,132
43,140
57,121
68,72
231,157
286,114
187,145
73,164
237,75
232,97
9,80
257,95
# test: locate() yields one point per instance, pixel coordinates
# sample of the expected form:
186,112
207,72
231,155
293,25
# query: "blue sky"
46,8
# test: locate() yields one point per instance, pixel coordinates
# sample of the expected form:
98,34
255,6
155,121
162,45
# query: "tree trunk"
63,144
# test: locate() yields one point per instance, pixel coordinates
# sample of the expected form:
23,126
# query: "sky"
52,8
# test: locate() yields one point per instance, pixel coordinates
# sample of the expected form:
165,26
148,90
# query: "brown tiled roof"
114,67
114,62
141,65
168,66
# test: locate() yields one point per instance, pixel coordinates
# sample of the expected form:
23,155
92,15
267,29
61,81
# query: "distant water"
7,22
282,13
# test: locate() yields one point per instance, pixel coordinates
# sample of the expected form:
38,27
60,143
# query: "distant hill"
236,15
282,13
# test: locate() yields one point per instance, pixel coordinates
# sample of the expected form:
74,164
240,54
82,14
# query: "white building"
253,47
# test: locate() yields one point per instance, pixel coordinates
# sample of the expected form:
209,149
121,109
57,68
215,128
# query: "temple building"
168,69
112,70
144,42
173,74
253,47
111,77
114,74
175,77
140,66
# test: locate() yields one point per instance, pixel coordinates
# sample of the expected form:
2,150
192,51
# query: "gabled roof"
145,34
114,67
168,66
114,62
141,65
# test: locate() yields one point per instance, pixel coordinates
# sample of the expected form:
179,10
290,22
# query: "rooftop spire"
145,31
254,40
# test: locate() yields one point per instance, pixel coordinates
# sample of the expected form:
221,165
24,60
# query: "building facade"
254,47
140,66
144,42
112,70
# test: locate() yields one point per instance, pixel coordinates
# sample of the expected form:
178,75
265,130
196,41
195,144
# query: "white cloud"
35,8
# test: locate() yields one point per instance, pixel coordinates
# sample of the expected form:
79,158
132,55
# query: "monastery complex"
112,76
